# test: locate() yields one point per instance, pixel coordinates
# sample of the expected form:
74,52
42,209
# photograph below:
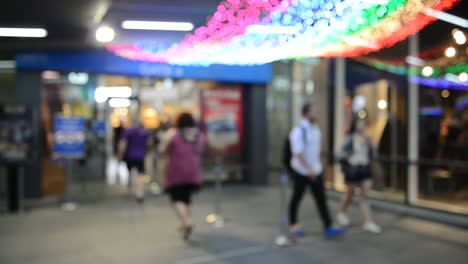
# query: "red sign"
222,118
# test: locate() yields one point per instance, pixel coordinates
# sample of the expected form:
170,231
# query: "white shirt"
360,155
310,148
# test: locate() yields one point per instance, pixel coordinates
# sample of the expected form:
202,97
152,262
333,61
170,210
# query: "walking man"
307,172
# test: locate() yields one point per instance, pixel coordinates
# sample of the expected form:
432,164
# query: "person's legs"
342,217
348,197
369,224
140,180
318,191
181,198
296,198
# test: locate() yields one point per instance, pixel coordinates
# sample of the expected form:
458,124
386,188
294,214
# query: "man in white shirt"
307,171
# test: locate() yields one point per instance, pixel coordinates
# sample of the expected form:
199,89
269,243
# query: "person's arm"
122,148
166,141
298,149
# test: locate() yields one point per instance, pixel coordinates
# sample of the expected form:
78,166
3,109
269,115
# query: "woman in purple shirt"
184,147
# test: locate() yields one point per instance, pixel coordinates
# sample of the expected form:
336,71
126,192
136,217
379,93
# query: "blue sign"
104,62
69,137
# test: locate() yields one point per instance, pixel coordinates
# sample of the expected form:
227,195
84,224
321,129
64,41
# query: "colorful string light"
323,29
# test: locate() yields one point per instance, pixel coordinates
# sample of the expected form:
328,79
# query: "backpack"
287,153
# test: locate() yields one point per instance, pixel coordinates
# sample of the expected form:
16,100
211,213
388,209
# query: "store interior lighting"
382,104
427,71
103,93
119,102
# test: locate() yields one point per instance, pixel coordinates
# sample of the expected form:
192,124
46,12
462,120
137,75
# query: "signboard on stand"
222,119
69,137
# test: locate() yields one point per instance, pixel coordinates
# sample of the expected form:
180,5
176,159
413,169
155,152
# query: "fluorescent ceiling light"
7,64
415,61
101,94
23,32
264,29
447,17
119,102
157,25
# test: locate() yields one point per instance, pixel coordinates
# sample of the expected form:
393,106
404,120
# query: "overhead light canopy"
157,25
23,32
269,29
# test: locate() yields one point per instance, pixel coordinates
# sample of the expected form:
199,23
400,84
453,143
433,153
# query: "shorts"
139,165
357,174
182,193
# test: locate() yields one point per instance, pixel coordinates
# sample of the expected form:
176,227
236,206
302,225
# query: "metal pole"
68,205
413,124
284,239
394,136
216,217
338,133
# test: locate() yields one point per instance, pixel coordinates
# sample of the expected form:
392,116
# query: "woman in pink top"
184,147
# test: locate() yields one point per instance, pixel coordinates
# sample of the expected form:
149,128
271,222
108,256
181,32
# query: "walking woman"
355,159
183,146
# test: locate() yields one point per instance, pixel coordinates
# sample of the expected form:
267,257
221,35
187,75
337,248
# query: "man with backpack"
303,147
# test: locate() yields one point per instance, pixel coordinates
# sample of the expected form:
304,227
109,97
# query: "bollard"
284,239
216,218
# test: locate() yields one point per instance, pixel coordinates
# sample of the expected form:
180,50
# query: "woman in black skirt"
355,160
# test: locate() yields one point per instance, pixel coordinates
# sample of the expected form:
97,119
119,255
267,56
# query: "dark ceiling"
71,24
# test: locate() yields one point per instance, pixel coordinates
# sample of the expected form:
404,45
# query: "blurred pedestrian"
307,172
355,160
184,146
133,146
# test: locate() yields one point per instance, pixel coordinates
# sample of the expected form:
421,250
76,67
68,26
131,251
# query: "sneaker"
299,232
343,220
372,227
332,232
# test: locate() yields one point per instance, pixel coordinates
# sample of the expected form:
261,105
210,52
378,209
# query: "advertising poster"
221,119
69,137
15,133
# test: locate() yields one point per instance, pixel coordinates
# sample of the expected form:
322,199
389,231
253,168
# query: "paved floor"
118,231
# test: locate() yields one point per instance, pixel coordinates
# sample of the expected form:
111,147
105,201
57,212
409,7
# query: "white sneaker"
343,220
372,227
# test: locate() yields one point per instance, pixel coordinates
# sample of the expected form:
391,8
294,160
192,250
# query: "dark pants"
318,191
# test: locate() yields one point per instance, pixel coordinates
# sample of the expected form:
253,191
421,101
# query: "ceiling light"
157,25
268,29
105,34
23,32
450,52
447,17
382,104
463,77
119,102
427,71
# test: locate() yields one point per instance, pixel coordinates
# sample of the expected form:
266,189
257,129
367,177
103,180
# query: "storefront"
108,92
